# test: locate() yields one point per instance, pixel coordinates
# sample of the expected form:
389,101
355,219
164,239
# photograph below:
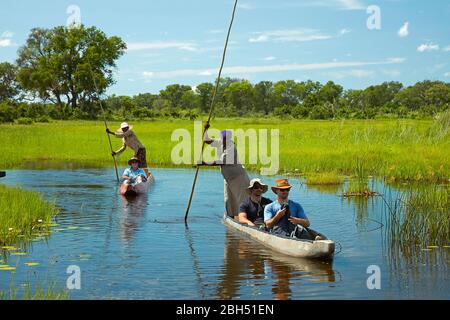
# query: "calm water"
141,249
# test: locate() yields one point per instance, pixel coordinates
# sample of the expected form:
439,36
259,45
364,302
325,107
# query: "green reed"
23,214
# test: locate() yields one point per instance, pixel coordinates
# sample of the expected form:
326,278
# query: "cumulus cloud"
428,47
344,31
5,39
403,32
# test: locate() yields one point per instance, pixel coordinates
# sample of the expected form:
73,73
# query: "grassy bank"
50,292
398,150
22,214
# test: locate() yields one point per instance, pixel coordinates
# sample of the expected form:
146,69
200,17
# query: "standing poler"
130,140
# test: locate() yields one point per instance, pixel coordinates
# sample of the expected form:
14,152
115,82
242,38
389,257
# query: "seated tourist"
285,217
251,210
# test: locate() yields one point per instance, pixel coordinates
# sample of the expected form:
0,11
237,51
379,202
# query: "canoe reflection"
133,211
248,264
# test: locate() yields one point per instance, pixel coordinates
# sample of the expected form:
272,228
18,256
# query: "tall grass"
23,214
398,150
420,217
50,292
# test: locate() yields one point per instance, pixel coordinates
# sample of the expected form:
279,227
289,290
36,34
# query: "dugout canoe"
137,188
298,248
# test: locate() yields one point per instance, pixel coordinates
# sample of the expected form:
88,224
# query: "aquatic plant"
23,214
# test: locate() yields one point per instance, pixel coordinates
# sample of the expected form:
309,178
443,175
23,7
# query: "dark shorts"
141,155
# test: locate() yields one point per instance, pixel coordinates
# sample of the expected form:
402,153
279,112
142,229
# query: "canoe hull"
299,248
136,189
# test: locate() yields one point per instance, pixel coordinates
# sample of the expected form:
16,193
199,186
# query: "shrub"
24,120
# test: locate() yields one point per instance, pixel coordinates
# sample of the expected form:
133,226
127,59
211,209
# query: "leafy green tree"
174,93
9,87
240,95
264,95
59,64
204,92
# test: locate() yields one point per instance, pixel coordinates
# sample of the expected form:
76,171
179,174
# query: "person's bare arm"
243,219
303,222
276,217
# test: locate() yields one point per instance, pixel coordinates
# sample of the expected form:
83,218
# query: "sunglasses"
258,188
284,190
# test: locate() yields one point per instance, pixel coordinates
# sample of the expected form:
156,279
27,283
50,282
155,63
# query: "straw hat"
124,125
281,184
258,181
134,159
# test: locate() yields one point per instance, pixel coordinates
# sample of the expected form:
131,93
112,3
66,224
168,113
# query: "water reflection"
132,214
248,264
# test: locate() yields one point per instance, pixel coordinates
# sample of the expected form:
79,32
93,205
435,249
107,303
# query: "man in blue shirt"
286,217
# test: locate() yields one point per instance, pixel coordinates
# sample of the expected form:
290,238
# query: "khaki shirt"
129,140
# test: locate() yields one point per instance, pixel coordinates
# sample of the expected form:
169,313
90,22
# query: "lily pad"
31,264
9,248
8,268
18,253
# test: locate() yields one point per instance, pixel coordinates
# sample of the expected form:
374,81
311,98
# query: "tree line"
61,73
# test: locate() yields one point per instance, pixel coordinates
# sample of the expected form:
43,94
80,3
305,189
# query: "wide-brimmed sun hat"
134,159
124,125
281,184
258,181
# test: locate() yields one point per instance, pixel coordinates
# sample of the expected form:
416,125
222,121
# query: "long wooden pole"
104,121
211,108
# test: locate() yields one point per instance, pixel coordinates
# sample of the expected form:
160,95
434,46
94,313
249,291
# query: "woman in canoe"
234,175
134,174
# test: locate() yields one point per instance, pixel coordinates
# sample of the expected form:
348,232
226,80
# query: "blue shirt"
295,209
129,172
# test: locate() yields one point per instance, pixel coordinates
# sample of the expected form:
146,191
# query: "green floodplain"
396,150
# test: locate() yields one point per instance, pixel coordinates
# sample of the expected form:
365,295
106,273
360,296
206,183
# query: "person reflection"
254,267
133,210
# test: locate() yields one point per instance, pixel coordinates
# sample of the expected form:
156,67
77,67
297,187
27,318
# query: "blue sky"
175,41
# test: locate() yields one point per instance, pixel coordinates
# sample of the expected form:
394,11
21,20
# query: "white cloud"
5,43
270,58
447,74
7,34
245,6
351,4
344,31
134,46
333,4
403,32
446,49
215,31
274,68
5,39
294,35
428,47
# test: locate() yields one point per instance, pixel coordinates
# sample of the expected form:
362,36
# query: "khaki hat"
258,181
281,184
134,159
